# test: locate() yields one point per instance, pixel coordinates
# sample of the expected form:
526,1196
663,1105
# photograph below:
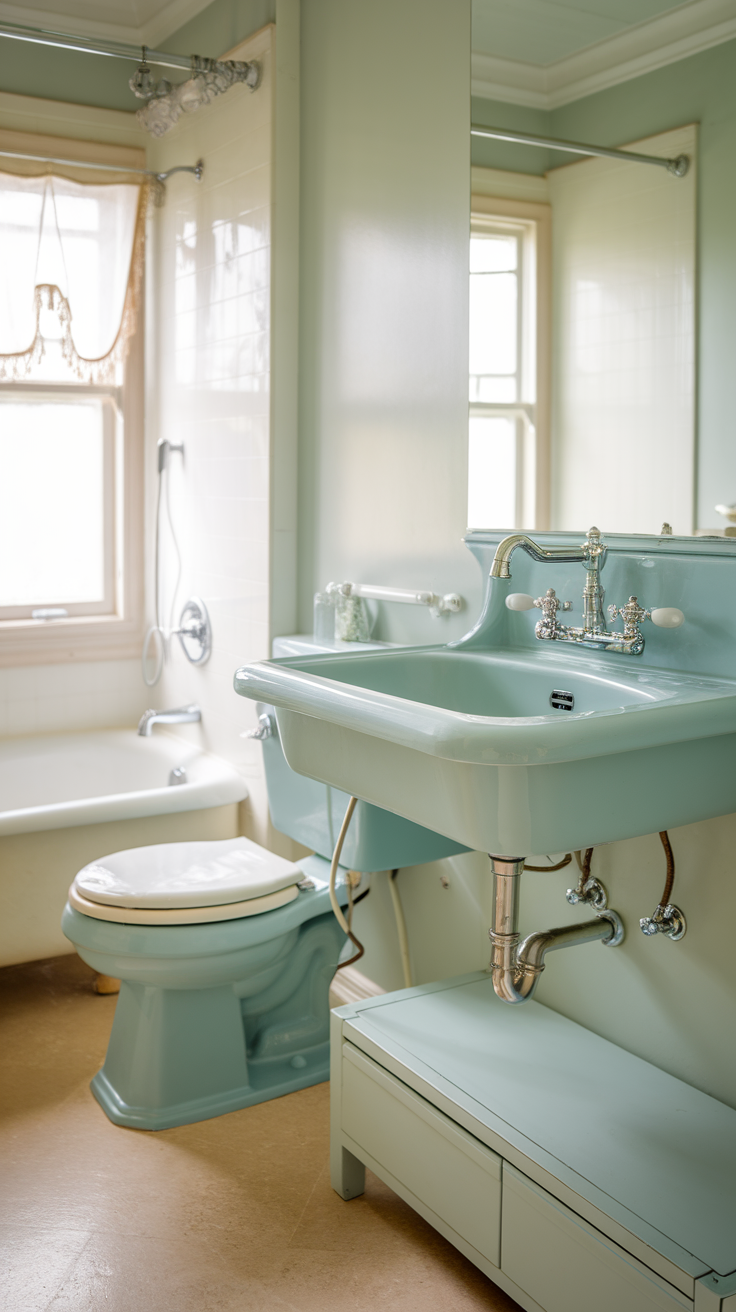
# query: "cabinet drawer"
443,1166
567,1265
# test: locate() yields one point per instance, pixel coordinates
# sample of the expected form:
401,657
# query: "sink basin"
466,742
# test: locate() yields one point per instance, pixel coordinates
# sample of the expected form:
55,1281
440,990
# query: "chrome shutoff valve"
667,920
589,892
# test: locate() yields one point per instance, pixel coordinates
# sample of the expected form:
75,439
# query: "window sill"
56,642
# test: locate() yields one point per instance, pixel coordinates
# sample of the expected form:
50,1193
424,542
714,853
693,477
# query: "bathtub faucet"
180,715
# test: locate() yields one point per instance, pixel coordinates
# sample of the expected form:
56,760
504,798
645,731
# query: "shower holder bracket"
195,631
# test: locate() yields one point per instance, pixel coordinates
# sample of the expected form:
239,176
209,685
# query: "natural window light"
54,548
502,389
69,285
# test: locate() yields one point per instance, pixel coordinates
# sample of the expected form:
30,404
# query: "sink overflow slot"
562,701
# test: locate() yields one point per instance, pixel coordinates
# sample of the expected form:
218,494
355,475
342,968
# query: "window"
506,465
57,511
70,275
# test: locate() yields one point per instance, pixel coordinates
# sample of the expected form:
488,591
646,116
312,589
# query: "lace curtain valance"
71,260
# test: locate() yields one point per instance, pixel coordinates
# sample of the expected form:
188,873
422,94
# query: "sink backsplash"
698,575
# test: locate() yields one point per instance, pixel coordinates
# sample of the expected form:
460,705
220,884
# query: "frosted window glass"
492,473
51,502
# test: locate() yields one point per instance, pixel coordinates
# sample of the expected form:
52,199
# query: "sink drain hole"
562,701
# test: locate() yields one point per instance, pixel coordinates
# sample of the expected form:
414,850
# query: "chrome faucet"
593,631
180,715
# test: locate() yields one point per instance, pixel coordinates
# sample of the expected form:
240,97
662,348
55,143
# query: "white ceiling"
541,53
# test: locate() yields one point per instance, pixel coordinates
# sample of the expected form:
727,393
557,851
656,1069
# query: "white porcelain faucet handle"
519,601
667,617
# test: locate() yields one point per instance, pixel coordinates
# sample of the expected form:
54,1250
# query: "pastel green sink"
467,743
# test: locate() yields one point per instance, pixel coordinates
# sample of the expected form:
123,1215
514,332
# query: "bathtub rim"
222,785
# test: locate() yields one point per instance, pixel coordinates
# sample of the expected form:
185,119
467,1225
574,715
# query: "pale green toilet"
225,954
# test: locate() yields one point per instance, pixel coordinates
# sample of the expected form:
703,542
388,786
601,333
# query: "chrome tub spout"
517,965
180,715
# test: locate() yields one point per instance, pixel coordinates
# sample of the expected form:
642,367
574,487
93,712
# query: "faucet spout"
504,551
516,966
180,715
592,552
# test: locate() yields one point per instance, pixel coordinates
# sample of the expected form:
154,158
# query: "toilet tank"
312,813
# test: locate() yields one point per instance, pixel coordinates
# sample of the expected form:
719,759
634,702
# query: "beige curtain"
71,261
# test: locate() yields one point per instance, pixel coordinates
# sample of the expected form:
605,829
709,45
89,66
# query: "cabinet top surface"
658,1147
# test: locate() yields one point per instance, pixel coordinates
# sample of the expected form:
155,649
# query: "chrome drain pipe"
516,965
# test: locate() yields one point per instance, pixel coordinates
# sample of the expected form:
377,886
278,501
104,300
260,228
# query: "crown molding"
642,49
173,16
509,80
60,118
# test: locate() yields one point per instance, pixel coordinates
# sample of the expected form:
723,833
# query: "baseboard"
348,985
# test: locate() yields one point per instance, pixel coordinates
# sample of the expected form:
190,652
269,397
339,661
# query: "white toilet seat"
181,915
185,883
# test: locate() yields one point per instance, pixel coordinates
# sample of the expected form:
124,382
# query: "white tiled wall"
209,387
624,342
87,695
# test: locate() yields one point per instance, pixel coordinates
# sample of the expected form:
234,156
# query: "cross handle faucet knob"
632,615
549,605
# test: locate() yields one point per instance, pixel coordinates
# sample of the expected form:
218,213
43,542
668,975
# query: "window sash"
108,604
525,469
518,231
529,507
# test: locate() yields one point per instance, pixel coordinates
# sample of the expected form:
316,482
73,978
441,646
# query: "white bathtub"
66,799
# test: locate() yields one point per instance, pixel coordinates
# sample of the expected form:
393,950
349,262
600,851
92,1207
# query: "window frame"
533,482
117,631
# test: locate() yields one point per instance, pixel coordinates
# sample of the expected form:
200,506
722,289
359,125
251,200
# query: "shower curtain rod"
678,166
197,169
93,45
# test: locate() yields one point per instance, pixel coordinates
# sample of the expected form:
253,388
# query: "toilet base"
286,1079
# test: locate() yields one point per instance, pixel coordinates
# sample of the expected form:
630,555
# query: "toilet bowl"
225,953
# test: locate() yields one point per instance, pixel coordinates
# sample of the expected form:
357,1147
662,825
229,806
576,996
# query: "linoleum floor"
229,1215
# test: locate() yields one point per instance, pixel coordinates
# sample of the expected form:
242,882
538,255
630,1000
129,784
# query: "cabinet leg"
348,1174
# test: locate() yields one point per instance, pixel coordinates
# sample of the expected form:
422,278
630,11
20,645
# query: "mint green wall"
30,70
385,182
701,89
489,154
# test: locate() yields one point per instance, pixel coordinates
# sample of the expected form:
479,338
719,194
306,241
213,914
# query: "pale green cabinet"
578,1177
567,1265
